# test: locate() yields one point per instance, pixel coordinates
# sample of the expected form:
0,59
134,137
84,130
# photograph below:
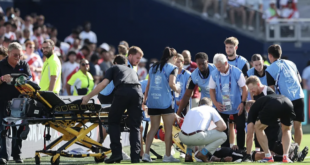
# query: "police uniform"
127,95
7,93
228,88
160,98
283,74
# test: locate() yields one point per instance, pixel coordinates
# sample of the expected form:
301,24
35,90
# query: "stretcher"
46,108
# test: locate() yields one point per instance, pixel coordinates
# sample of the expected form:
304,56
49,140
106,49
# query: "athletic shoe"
303,154
182,155
170,159
266,160
247,158
238,161
197,159
286,160
294,155
146,158
125,156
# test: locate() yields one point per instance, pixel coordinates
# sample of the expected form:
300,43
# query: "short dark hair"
75,31
3,51
35,28
275,50
120,59
201,55
94,58
49,41
256,57
71,53
85,48
7,23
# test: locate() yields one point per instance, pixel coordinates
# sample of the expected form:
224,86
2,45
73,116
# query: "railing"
246,19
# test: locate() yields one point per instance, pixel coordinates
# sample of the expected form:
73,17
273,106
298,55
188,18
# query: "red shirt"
192,66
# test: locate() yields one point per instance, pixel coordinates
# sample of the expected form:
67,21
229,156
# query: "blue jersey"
143,85
284,72
263,79
203,83
228,84
160,95
182,79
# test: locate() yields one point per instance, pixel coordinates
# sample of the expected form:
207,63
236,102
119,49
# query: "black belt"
190,134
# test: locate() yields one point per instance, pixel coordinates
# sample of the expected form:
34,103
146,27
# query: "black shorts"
279,109
106,99
299,109
155,112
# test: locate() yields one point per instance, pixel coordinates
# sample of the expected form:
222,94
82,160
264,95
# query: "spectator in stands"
69,68
37,49
88,34
6,42
82,81
2,20
51,74
191,66
9,12
28,24
44,32
271,15
96,71
34,61
26,36
40,21
37,35
2,30
84,52
142,72
3,53
76,45
104,46
9,34
255,6
230,96
106,63
71,38
306,77
206,5
123,48
237,6
54,32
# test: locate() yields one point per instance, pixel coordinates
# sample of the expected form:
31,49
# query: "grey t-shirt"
105,65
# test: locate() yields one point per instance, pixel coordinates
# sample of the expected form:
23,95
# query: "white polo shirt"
199,118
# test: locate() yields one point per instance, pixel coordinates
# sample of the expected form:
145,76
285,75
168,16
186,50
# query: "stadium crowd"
76,66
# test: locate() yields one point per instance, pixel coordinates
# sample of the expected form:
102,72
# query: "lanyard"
237,57
229,81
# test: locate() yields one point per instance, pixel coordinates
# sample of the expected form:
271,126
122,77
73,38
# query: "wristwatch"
243,102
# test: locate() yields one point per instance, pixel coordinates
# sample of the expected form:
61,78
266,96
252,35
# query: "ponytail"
168,53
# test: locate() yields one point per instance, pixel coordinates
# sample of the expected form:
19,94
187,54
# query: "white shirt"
36,61
306,76
10,35
241,81
88,35
68,69
69,39
142,72
199,118
286,12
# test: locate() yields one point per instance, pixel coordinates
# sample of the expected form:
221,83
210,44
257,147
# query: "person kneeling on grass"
194,131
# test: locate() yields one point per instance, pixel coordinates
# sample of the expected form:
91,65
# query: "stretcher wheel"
56,162
37,159
100,159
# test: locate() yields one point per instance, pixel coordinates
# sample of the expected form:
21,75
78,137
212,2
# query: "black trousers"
240,126
16,143
130,98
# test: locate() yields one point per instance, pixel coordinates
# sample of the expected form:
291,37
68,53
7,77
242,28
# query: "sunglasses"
84,64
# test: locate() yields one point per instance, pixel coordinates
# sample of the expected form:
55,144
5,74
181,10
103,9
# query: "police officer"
229,99
201,77
128,95
160,101
11,64
283,76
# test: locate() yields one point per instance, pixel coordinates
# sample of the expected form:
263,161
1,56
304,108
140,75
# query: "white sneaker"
172,150
239,160
197,160
217,16
125,156
170,159
146,158
182,155
204,15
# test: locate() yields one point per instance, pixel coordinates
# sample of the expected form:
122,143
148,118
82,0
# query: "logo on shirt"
21,69
157,79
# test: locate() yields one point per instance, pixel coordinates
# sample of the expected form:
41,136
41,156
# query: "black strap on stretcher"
46,136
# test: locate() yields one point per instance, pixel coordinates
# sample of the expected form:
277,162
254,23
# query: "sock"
231,145
257,149
189,151
204,152
277,158
267,155
285,155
